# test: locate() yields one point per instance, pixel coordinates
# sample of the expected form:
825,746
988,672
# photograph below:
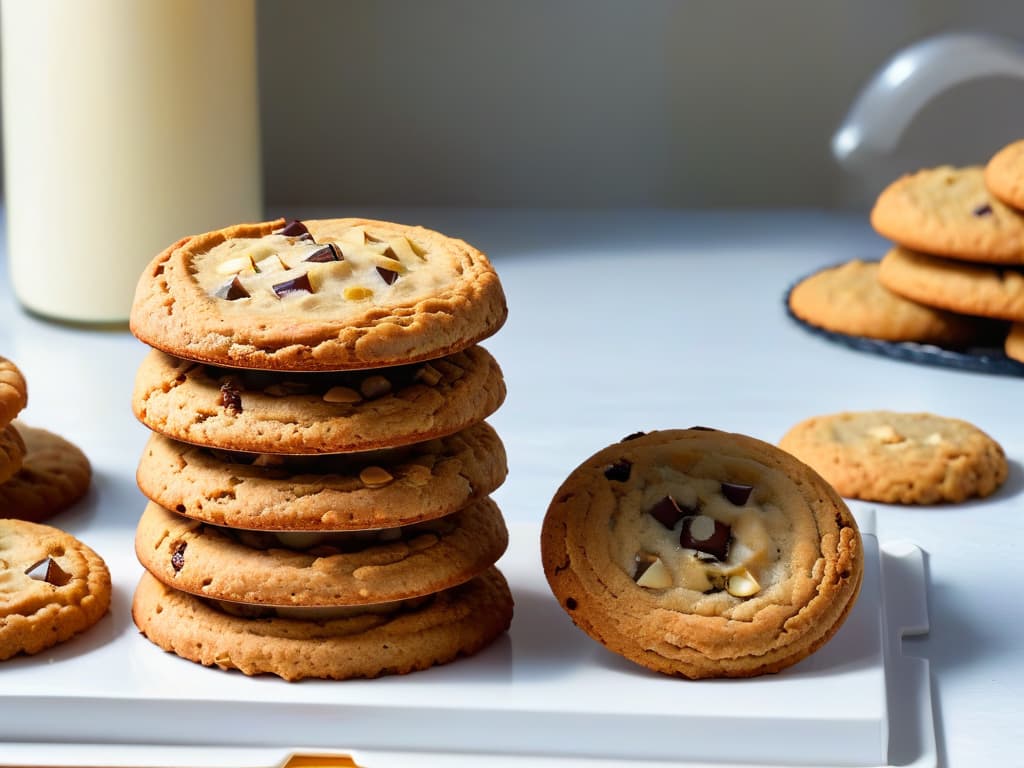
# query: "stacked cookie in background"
954,277
960,238
320,466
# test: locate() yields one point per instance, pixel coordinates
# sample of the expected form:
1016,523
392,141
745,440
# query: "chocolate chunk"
666,512
230,398
47,570
705,429
329,252
983,210
300,283
707,535
619,471
232,290
632,436
389,275
178,558
293,228
737,493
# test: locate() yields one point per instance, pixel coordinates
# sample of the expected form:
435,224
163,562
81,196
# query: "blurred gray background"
596,103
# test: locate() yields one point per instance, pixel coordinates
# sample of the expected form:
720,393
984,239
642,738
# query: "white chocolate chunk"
657,576
236,265
342,395
884,433
742,584
270,264
702,528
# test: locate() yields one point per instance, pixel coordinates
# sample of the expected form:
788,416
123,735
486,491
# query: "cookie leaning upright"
332,294
1004,174
700,553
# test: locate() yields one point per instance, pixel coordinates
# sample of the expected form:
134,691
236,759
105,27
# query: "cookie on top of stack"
320,466
959,235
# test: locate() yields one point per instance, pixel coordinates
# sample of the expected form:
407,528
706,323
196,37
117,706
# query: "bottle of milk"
127,125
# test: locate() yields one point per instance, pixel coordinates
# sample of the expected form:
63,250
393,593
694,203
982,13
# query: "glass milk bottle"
127,125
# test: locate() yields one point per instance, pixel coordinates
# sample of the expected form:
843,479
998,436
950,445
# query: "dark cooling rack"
981,359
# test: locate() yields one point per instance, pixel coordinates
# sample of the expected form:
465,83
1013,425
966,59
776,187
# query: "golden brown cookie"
12,452
336,492
973,289
13,391
436,630
900,458
849,299
949,212
320,569
54,475
1014,345
701,553
331,294
310,413
52,586
1004,174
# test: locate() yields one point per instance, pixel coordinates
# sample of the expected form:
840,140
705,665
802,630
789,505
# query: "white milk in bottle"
127,125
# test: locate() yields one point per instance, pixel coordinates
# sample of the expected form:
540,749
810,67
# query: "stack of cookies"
954,277
41,473
959,235
320,466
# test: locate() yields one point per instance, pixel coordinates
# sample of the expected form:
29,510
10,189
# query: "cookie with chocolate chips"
338,644
323,568
331,294
949,211
700,553
315,413
899,458
52,586
335,492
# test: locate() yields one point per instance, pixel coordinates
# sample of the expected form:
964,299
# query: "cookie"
899,458
310,413
1004,174
434,630
52,586
54,475
849,299
701,553
13,391
330,294
12,452
949,212
973,289
320,569
1014,345
336,492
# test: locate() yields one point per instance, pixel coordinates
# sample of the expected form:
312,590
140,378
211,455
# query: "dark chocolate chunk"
706,535
983,210
705,429
389,275
47,570
178,558
293,228
232,290
632,436
329,252
619,471
230,398
737,493
666,512
300,283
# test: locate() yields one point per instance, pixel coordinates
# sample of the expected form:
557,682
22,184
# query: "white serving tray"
545,692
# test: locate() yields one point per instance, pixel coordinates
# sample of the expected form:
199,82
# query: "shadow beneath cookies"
1014,482
545,642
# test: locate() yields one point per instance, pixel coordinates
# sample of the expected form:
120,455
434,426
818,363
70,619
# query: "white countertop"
623,321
